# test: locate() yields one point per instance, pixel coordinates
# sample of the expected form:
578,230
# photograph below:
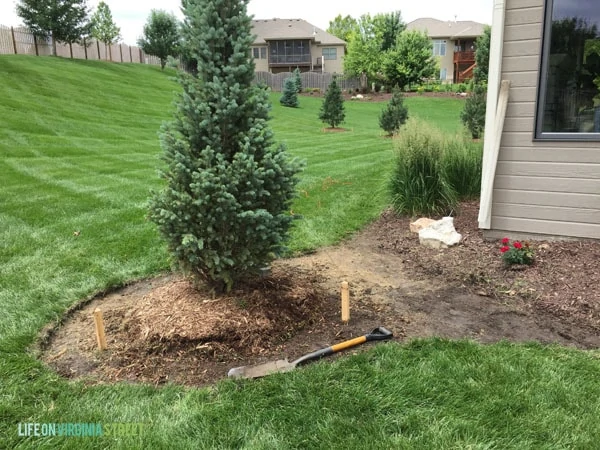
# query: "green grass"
79,152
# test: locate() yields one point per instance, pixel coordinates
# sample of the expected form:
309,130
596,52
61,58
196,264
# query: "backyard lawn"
79,155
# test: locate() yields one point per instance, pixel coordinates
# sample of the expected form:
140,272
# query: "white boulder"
440,234
418,225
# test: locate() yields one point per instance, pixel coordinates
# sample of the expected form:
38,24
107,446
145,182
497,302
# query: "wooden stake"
345,302
99,323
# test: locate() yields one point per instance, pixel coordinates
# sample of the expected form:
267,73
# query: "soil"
168,329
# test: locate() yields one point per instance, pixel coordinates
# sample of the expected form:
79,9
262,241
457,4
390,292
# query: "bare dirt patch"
168,330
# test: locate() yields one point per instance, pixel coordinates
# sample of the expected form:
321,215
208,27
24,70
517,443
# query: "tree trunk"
53,45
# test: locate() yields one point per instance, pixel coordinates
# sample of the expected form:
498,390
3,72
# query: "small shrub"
377,87
297,80
420,90
290,95
332,110
519,253
461,87
473,114
394,115
418,184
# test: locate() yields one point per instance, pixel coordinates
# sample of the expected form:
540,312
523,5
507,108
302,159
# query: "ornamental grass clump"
516,253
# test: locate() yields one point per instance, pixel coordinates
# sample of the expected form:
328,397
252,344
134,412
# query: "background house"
281,45
543,175
453,45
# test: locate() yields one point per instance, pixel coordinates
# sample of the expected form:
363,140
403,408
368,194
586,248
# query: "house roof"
277,29
447,29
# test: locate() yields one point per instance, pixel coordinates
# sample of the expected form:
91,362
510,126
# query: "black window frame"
539,134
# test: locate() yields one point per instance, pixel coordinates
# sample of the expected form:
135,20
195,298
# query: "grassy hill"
78,156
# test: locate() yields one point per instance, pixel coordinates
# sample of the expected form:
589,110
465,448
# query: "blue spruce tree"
224,210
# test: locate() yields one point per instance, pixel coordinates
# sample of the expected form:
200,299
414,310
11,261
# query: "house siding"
540,188
331,65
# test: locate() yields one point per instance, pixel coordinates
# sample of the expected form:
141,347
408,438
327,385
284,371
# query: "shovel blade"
261,370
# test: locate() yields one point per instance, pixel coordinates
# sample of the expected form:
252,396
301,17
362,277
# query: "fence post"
121,51
85,48
140,55
98,47
12,32
130,57
35,45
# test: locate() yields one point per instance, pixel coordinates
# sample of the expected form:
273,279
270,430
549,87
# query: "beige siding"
540,187
447,62
331,65
262,65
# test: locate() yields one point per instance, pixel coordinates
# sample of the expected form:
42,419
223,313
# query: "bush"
332,109
394,115
418,184
290,94
473,114
224,207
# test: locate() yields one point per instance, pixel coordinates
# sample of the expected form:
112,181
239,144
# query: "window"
263,53
255,52
439,47
443,74
329,53
569,93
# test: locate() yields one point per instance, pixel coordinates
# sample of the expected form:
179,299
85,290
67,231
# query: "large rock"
440,234
418,225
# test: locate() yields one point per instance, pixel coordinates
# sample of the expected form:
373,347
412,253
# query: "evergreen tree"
482,56
298,80
62,20
161,36
290,94
394,115
104,28
473,114
224,211
332,109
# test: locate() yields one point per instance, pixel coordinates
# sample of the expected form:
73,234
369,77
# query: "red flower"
518,245
505,241
504,249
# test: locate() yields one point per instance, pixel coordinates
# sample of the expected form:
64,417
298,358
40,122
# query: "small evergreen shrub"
418,184
394,115
290,94
298,80
473,114
332,110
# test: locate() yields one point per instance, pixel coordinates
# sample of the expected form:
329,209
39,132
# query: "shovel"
283,365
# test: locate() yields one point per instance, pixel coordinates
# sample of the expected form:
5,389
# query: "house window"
569,94
255,52
329,53
263,53
443,74
439,47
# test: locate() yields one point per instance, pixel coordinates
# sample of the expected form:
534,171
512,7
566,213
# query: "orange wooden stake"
345,302
99,324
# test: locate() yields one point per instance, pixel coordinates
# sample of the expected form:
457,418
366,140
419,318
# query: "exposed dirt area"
169,330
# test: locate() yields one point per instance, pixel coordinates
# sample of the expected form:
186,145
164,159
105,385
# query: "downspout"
490,149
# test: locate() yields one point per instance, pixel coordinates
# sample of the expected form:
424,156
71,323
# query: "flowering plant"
517,253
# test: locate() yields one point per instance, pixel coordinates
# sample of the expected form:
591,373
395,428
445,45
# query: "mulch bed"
564,280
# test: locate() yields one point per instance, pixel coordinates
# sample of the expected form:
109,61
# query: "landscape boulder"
440,234
419,224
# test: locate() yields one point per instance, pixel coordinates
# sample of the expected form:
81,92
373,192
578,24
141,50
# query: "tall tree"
482,56
224,210
410,61
104,28
161,36
61,20
387,28
343,27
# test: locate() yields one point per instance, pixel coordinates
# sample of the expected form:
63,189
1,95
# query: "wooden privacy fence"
320,80
21,41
